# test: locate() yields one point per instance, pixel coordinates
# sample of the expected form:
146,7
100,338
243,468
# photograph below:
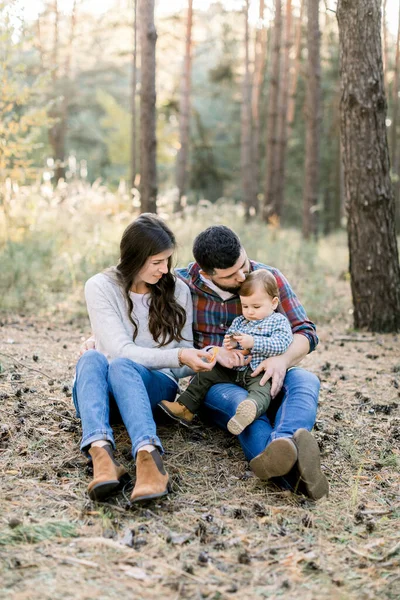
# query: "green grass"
51,248
32,534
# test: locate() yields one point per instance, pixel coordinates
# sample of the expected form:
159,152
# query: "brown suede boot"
108,474
312,481
177,411
151,477
278,458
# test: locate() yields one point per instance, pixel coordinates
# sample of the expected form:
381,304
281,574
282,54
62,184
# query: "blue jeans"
295,407
135,389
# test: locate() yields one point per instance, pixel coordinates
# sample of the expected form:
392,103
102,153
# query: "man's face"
231,279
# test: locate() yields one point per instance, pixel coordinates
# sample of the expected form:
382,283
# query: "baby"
261,331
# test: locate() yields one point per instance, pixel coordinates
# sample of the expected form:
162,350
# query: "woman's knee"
118,367
92,359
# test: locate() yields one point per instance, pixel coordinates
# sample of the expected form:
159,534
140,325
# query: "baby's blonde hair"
260,278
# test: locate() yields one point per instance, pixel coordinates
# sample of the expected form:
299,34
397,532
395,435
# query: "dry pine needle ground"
222,533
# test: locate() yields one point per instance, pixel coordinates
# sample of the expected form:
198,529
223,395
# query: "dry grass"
222,533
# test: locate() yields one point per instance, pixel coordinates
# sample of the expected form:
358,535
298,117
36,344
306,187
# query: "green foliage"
115,123
21,116
54,247
99,104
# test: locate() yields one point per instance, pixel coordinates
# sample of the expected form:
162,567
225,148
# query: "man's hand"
198,359
245,340
275,367
233,358
88,344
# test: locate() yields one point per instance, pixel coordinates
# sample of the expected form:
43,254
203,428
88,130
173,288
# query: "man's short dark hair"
218,247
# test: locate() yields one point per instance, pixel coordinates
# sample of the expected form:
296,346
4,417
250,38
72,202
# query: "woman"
141,318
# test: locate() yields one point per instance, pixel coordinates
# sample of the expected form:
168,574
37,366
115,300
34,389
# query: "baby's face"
258,306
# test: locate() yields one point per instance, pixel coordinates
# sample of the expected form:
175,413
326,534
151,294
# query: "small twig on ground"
100,541
349,338
24,365
180,571
336,475
76,561
115,507
389,511
388,554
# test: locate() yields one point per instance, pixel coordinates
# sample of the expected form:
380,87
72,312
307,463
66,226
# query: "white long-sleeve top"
113,331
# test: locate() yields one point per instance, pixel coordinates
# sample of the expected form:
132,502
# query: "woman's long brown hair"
147,236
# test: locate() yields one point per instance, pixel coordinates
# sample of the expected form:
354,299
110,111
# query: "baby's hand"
229,342
246,341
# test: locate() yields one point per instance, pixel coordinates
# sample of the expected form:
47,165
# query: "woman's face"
154,268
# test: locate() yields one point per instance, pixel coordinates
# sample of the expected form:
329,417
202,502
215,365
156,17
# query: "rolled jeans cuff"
96,436
144,441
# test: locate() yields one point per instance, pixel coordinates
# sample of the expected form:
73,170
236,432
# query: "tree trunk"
57,133
374,260
133,105
313,103
283,107
294,77
272,118
395,112
184,113
395,98
260,55
245,148
385,47
148,140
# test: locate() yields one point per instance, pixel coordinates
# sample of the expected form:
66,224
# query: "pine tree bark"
294,76
394,138
272,118
184,113
57,133
385,46
148,140
395,98
59,111
246,146
374,259
283,108
313,104
133,103
260,55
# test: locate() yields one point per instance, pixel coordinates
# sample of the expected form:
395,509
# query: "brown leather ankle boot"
108,474
151,477
177,411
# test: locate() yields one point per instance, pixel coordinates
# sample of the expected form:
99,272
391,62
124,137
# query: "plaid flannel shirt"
272,336
212,315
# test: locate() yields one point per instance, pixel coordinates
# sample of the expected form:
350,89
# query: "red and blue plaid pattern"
212,316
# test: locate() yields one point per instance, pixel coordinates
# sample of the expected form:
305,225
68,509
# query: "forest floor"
222,533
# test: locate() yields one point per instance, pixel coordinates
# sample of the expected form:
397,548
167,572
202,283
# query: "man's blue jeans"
294,408
135,389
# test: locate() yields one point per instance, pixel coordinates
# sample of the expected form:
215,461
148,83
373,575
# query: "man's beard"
232,290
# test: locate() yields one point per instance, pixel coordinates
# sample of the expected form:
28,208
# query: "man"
279,443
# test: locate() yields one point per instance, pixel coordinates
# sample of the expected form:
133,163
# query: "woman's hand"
88,344
197,359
